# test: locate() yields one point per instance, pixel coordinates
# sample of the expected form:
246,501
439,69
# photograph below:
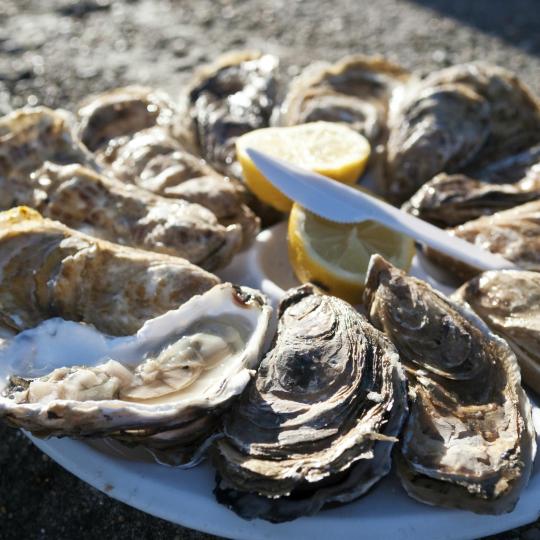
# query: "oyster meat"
317,424
95,204
514,234
508,301
129,130
49,270
458,118
224,100
163,387
469,441
356,91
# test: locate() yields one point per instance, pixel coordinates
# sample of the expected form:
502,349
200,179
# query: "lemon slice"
328,148
335,256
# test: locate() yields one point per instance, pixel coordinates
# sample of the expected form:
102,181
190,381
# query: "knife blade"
338,202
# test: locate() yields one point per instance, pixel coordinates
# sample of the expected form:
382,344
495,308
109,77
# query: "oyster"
128,129
168,382
356,90
28,138
465,116
317,424
452,199
225,99
514,234
49,270
435,129
119,113
469,441
85,200
508,301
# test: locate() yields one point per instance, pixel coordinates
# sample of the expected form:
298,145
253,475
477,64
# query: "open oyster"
28,138
225,99
356,90
514,234
128,129
317,424
168,382
469,440
508,301
452,199
85,200
49,270
465,116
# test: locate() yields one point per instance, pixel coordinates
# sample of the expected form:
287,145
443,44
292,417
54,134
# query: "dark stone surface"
56,52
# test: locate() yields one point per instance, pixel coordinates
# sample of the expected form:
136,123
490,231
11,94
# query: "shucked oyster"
514,234
469,440
169,381
85,200
49,270
509,303
317,424
463,116
128,128
224,100
356,90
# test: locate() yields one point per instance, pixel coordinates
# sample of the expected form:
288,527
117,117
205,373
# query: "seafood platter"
185,339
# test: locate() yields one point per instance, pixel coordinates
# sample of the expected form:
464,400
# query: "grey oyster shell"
491,115
164,387
317,424
508,301
469,441
129,129
514,234
225,99
49,270
355,90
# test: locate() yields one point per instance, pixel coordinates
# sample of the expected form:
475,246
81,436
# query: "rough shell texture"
50,270
225,99
469,440
508,302
434,129
514,234
103,207
161,411
356,90
317,424
452,199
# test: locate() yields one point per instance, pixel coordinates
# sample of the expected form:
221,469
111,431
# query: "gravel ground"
56,52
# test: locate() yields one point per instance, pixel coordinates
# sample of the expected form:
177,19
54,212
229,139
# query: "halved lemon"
335,256
328,148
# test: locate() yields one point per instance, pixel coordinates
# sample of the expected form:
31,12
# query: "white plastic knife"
341,203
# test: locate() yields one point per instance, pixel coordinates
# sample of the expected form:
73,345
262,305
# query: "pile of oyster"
113,325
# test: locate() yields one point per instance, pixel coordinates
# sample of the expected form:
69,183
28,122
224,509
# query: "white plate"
185,496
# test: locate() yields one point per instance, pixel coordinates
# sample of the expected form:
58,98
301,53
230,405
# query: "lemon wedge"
328,148
335,256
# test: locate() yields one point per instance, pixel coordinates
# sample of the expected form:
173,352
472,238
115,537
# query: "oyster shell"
28,138
85,200
355,90
514,234
50,270
508,302
317,424
469,440
169,381
129,130
465,116
435,129
452,199
233,95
